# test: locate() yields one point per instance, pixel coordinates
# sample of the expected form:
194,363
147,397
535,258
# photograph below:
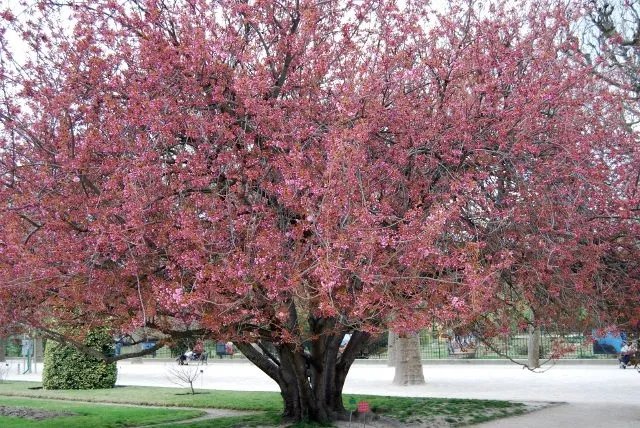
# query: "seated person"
454,346
182,360
626,352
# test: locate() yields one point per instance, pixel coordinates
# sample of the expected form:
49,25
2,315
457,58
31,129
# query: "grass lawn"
452,412
143,395
263,420
90,415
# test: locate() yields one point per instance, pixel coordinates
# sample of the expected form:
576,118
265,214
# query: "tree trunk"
408,364
310,380
38,350
391,348
533,349
3,348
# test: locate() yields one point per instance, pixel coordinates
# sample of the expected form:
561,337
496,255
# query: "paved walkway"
592,395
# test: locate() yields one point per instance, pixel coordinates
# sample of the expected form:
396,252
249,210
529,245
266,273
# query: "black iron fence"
432,346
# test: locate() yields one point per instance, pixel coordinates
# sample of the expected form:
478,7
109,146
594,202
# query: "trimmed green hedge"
67,368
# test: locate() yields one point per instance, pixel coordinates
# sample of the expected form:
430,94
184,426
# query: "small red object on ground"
363,407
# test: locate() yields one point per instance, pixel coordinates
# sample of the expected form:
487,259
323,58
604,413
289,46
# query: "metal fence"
13,347
166,352
432,346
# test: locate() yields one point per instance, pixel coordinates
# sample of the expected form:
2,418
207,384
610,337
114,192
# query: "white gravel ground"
593,395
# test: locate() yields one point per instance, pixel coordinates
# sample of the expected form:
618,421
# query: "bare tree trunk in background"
408,364
391,348
38,350
3,348
533,351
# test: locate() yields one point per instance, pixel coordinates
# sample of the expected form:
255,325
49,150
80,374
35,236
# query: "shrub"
180,346
67,368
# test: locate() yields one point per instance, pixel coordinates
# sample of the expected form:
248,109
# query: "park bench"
223,349
461,355
456,351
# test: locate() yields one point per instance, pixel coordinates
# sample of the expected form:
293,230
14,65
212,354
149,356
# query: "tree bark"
391,348
533,349
3,348
310,380
408,364
38,350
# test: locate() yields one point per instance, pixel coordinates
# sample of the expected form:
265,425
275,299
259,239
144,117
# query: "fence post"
581,347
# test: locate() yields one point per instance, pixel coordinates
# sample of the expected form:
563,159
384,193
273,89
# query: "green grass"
91,415
452,410
405,409
257,420
142,395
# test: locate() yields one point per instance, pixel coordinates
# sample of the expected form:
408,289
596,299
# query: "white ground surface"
592,395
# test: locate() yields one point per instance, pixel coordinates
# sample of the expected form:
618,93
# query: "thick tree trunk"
3,348
408,364
310,381
533,350
391,348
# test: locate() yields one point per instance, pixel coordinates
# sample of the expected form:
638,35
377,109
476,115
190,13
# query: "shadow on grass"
196,393
266,419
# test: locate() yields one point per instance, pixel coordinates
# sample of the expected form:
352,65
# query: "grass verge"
151,396
266,419
418,410
90,415
445,411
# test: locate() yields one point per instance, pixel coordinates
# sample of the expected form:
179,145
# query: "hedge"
67,368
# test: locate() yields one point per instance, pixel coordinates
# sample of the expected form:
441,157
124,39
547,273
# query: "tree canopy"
282,173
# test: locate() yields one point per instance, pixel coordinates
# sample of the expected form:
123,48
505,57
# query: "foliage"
94,415
67,368
180,346
611,46
288,172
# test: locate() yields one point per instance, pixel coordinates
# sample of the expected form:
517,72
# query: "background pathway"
598,395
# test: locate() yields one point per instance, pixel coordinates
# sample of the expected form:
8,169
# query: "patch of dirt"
33,414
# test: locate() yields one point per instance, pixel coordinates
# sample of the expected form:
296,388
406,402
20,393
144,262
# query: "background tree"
610,40
282,173
185,375
391,349
407,360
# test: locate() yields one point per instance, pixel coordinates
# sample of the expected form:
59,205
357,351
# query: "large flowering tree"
282,173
